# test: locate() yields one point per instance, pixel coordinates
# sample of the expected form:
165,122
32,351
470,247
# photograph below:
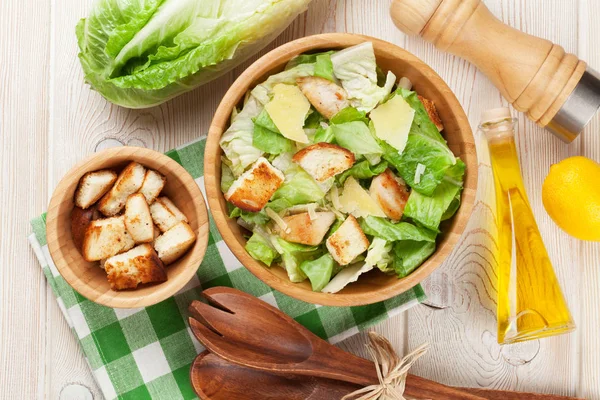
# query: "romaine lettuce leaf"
324,67
349,114
356,137
318,271
293,255
299,188
379,254
268,138
141,53
324,135
306,59
356,68
261,249
382,228
252,218
237,140
363,170
429,211
227,177
409,254
425,146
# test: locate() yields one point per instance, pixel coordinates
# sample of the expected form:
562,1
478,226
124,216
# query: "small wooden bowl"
374,286
88,278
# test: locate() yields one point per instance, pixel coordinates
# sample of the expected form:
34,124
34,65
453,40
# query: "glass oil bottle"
530,301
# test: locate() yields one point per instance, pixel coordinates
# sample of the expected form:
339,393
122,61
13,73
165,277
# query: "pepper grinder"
554,88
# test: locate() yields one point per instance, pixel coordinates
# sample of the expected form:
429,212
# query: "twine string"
391,370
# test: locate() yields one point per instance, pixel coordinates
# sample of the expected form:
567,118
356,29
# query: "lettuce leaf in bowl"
425,146
430,211
141,53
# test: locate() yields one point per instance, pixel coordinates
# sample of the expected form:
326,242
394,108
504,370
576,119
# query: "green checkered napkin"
147,352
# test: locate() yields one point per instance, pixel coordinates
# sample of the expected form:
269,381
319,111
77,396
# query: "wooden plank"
463,333
588,267
23,122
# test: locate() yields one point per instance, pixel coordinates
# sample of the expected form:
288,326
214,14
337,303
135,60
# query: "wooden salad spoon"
246,331
214,378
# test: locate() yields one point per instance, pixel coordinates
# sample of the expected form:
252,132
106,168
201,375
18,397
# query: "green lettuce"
252,218
429,211
227,177
268,138
356,137
299,188
382,228
356,68
363,170
294,255
141,53
237,140
379,255
409,254
349,114
425,145
261,249
318,271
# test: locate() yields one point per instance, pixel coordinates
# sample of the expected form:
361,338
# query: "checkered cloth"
147,352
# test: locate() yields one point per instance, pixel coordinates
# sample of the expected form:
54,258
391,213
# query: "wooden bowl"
88,278
374,286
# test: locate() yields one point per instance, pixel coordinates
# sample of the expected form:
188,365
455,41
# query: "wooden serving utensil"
246,331
214,378
554,88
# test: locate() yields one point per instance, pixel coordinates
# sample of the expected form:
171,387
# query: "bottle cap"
495,115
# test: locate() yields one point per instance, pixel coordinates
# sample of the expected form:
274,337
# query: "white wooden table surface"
49,120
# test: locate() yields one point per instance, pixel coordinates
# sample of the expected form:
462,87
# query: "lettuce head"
140,53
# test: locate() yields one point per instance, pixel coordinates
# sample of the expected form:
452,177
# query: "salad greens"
349,190
141,53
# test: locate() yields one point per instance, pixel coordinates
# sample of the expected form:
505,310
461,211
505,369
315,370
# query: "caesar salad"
336,168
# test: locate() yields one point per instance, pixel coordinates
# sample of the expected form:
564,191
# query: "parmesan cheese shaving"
278,220
312,208
335,198
419,172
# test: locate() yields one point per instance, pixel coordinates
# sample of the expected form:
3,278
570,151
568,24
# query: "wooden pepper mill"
555,89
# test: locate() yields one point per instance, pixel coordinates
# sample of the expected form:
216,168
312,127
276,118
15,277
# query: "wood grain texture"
23,123
43,99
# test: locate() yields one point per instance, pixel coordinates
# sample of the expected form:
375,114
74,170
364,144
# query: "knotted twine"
391,370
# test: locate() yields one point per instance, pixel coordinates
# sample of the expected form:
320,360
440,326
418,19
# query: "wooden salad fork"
249,332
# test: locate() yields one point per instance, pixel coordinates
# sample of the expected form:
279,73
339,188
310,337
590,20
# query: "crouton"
139,265
129,182
432,112
165,214
325,96
254,188
92,186
301,229
152,186
391,193
104,238
324,160
347,242
175,242
138,220
80,219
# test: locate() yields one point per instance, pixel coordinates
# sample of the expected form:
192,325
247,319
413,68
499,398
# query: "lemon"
571,196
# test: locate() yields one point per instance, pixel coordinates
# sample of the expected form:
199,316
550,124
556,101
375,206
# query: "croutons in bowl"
125,217
332,110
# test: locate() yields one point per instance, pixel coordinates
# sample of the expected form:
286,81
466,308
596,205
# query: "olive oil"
530,302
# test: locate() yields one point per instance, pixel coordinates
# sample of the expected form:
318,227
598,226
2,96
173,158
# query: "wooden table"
49,119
